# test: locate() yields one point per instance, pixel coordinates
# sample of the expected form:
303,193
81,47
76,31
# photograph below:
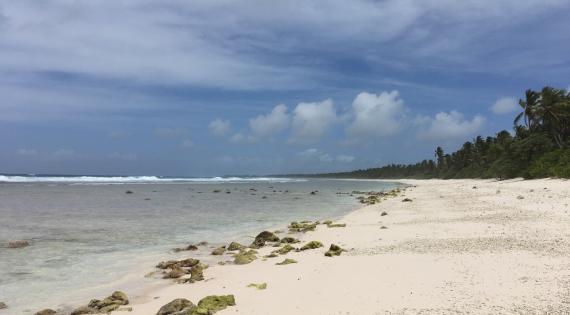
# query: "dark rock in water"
289,240
18,244
384,213
216,191
219,251
47,311
177,307
235,246
407,200
128,192
214,303
334,250
192,247
263,237
3,305
313,192
312,245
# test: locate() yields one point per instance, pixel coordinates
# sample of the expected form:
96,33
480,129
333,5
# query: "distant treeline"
539,148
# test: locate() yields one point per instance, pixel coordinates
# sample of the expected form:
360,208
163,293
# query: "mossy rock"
192,247
334,250
189,262
47,311
407,200
264,237
4,306
235,246
284,250
197,273
287,261
177,307
167,264
289,240
335,225
327,222
219,251
259,286
84,310
383,213
175,273
245,257
215,303
271,255
312,245
304,226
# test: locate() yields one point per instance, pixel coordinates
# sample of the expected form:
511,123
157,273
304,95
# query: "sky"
219,87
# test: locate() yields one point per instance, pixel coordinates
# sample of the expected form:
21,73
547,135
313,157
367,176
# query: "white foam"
136,179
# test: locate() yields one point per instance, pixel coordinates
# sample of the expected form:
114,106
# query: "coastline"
460,246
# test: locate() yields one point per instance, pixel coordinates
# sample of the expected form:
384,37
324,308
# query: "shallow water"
88,237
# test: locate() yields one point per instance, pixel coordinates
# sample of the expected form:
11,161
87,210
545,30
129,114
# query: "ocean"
92,235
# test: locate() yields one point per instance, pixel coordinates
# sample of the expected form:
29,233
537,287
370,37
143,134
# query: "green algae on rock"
264,237
287,261
335,225
283,250
214,303
312,245
219,251
235,246
289,240
259,286
177,307
107,305
47,311
245,257
334,250
304,226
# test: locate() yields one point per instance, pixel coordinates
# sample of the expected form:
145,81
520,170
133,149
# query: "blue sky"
258,87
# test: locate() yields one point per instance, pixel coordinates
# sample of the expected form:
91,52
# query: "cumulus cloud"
311,121
240,138
448,126
376,115
345,158
313,153
219,127
271,124
505,105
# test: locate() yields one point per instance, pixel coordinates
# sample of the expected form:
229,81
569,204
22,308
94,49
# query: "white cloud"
27,152
345,158
376,115
219,127
123,156
448,126
313,153
504,105
271,124
187,144
311,121
240,138
169,132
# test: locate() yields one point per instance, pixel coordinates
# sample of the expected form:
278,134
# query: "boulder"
167,264
235,246
175,273
197,273
192,247
312,245
18,244
177,307
245,257
383,213
188,262
214,303
47,311
263,237
407,200
219,251
334,250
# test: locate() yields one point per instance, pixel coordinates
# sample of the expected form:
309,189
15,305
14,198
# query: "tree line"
539,146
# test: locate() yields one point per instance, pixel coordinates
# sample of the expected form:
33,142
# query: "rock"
188,262
284,250
263,237
128,192
3,306
289,240
235,246
407,200
108,304
383,227
259,286
312,245
383,213
214,303
202,243
192,247
335,225
302,227
327,222
334,250
271,255
18,244
167,264
244,257
197,273
84,310
219,251
177,307
287,261
175,273
520,197
47,311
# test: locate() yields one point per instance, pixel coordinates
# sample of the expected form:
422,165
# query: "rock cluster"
107,305
334,250
207,306
303,226
174,269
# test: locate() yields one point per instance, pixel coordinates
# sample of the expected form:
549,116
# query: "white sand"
453,250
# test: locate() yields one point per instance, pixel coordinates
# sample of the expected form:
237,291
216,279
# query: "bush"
552,164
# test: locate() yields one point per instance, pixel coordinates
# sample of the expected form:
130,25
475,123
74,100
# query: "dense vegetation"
540,147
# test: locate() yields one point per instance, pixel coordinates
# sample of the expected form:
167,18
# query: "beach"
458,247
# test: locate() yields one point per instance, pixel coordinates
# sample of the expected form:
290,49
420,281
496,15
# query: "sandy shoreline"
460,247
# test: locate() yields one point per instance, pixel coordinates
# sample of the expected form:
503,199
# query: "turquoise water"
88,236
